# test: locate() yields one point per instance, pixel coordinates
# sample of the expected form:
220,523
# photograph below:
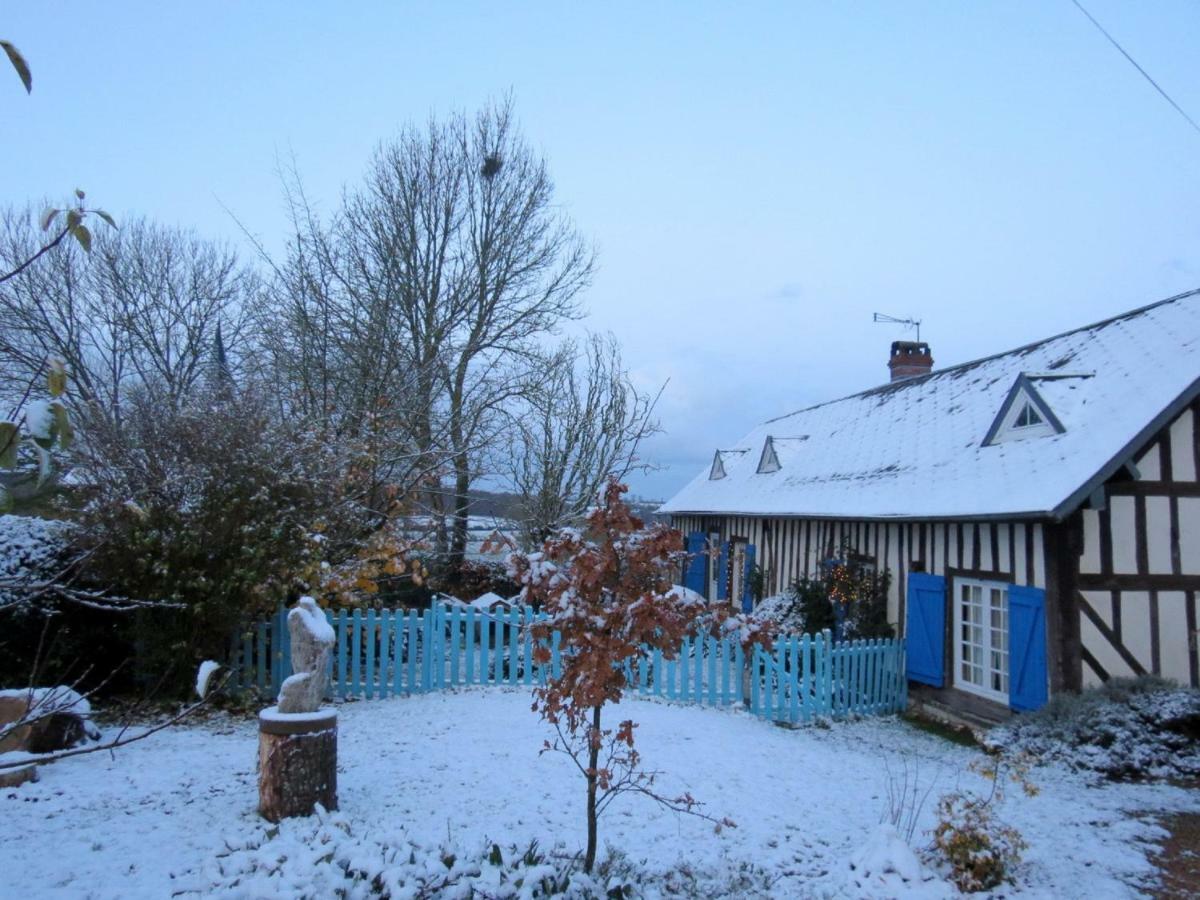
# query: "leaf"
49,214
9,439
56,379
106,217
44,467
18,62
74,217
62,424
84,237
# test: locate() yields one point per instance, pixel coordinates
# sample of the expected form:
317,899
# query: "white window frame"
989,642
1009,430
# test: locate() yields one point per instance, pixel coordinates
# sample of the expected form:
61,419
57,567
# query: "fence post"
397,650
514,635
247,656
685,670
412,618
343,654
385,652
725,666
369,641
426,650
755,680
742,667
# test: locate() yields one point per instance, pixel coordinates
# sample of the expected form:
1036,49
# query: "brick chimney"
909,359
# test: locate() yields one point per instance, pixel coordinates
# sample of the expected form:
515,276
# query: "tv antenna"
892,320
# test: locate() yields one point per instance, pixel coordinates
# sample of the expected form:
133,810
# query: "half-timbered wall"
789,549
1139,569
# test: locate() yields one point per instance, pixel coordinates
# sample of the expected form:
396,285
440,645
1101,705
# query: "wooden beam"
1095,582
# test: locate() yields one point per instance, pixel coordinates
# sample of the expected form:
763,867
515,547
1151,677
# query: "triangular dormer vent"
717,472
1023,414
769,461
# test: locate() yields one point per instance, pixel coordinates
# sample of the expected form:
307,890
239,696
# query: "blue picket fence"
383,653
809,676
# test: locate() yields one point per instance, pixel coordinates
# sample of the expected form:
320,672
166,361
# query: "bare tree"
169,292
336,346
580,422
431,285
142,309
526,266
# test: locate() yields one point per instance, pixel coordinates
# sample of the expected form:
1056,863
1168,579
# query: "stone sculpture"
312,647
297,739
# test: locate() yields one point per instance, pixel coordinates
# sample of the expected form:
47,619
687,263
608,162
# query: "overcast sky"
758,180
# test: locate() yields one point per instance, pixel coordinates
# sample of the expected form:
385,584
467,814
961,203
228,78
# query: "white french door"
981,637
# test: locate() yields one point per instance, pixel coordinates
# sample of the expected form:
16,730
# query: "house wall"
1138,579
788,549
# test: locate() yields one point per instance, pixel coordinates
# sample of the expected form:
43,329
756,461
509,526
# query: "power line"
1134,63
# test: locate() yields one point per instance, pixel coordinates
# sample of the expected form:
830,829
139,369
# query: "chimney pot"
909,359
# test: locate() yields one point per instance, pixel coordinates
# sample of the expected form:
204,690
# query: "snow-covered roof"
489,600
916,448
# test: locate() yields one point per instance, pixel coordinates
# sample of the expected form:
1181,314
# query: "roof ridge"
919,379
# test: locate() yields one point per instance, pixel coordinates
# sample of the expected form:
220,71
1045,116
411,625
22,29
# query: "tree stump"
297,762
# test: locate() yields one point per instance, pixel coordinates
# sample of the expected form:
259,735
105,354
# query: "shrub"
31,550
849,599
1126,728
814,606
214,503
981,850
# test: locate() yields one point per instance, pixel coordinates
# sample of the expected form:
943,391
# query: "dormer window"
1027,417
769,461
717,472
1024,414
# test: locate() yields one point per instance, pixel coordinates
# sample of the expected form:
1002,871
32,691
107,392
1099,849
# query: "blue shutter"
925,630
1026,648
696,567
723,572
747,593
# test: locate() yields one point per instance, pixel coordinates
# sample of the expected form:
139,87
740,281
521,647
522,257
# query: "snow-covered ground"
159,817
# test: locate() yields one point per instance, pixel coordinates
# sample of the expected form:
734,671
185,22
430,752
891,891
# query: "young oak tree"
609,592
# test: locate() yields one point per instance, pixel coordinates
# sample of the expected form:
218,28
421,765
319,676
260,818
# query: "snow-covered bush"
1127,728
31,551
216,503
981,850
849,599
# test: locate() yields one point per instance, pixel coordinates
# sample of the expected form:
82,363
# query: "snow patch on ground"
461,769
886,866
